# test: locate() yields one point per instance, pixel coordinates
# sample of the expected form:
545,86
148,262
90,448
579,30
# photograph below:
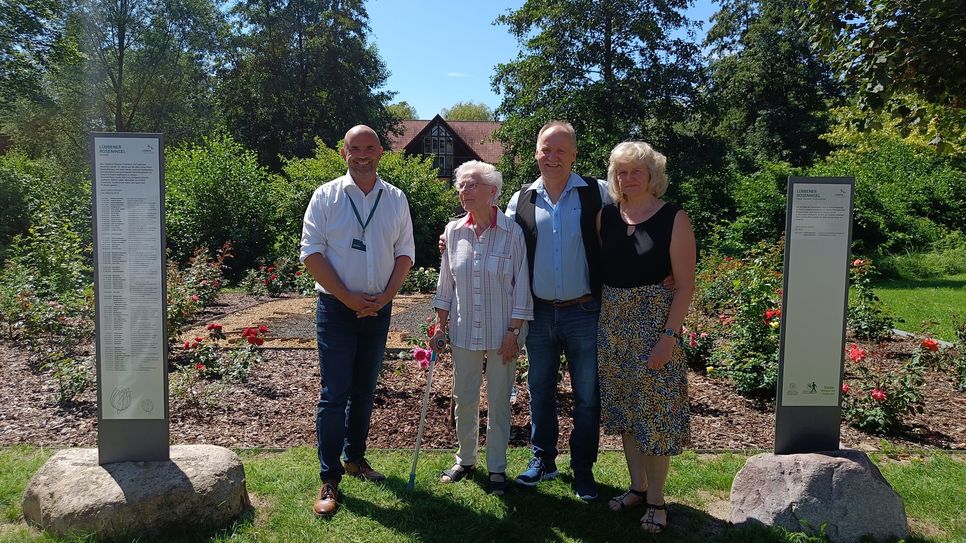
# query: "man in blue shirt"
558,215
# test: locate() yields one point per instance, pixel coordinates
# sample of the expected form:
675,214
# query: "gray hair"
641,153
487,173
567,127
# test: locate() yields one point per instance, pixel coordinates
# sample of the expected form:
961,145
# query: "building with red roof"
450,143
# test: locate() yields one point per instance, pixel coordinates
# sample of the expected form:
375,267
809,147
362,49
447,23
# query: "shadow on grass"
526,514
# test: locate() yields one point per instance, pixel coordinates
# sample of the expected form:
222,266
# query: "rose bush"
875,400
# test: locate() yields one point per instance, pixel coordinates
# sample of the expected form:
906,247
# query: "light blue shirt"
560,263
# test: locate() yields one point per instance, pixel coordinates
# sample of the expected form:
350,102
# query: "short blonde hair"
641,153
487,173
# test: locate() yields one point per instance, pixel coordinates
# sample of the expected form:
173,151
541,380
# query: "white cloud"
455,74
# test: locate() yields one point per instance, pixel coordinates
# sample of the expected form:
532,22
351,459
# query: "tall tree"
768,92
903,57
31,34
124,65
613,69
468,111
146,57
302,69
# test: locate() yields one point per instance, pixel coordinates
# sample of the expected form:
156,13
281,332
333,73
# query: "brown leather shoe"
328,500
361,469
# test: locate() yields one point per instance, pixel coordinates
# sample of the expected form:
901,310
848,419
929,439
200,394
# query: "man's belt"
564,303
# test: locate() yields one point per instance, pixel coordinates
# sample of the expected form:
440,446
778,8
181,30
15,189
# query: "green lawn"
282,486
918,300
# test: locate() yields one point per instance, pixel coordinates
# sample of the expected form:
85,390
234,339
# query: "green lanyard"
371,211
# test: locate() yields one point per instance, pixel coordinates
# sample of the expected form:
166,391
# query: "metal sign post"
130,297
818,239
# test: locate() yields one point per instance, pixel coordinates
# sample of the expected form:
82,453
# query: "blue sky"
434,69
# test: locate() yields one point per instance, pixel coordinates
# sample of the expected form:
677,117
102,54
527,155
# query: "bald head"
362,151
360,129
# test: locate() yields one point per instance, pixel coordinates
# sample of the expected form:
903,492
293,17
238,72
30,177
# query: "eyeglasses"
467,187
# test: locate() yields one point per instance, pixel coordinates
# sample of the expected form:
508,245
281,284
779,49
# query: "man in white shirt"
357,242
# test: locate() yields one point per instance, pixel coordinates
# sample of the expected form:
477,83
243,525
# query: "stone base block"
202,487
843,490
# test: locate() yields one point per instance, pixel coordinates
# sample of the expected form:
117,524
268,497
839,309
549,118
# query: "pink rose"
878,394
846,388
424,364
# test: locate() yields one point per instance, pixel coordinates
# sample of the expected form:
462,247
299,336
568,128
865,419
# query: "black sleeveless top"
642,258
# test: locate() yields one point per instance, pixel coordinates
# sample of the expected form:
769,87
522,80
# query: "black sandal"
499,486
456,473
622,505
648,519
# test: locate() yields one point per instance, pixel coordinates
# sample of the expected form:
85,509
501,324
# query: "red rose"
259,341
878,394
187,345
211,326
273,277
248,332
930,344
431,331
263,328
266,282
251,340
845,388
271,269
298,274
199,366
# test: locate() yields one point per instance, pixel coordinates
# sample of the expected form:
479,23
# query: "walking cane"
422,418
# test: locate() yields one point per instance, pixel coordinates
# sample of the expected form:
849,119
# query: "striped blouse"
483,282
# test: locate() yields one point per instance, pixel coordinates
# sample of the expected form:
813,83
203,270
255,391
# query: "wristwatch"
671,333
514,331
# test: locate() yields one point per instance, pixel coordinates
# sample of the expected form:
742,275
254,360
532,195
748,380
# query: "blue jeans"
350,357
570,330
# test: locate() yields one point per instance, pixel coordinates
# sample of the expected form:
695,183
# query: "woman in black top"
643,383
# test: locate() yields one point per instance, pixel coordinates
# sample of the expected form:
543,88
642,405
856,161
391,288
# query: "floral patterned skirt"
651,405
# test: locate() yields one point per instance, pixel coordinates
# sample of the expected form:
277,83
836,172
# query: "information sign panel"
129,291
818,236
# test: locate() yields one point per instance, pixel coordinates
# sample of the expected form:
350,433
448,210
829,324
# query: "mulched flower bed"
276,407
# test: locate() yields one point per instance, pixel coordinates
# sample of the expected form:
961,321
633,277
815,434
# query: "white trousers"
468,378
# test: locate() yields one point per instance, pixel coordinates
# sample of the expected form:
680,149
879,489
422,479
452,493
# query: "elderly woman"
643,384
483,297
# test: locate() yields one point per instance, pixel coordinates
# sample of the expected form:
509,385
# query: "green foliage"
946,257
745,295
301,70
760,200
887,49
420,280
613,69
867,317
14,218
74,375
182,303
698,347
217,193
283,276
905,196
468,111
765,78
874,399
431,201
402,111
209,360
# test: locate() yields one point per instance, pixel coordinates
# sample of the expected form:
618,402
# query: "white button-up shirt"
330,227
484,282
